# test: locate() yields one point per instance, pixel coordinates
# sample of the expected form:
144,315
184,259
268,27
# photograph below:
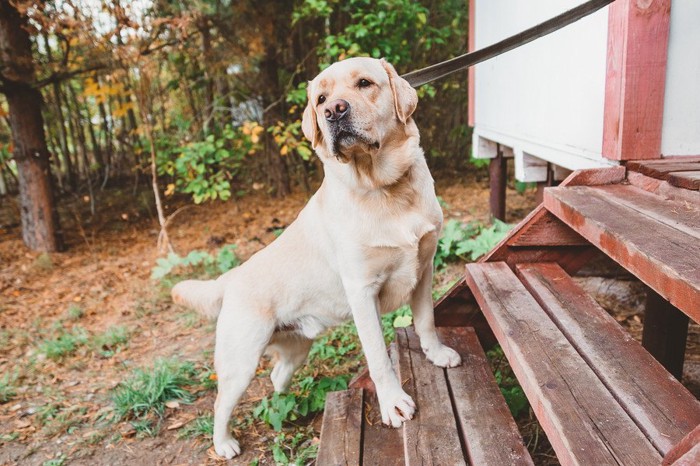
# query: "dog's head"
355,106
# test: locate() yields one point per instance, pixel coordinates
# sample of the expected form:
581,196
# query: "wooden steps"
462,417
598,395
657,240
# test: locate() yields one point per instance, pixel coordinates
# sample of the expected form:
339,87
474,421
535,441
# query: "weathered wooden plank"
663,409
477,398
341,429
431,438
663,188
663,171
684,446
546,230
686,179
682,216
381,445
635,164
666,259
595,176
583,422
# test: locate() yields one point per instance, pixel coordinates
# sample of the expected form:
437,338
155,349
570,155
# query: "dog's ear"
405,96
309,125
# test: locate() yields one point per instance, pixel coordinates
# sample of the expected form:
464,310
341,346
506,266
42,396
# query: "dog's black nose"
336,110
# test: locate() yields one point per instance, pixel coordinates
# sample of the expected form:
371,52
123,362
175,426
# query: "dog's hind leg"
239,344
424,321
290,350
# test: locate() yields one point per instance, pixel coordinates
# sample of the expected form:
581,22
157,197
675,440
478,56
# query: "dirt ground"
106,274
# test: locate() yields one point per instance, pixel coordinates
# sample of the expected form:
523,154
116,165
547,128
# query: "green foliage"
307,399
8,390
402,317
467,241
224,261
297,449
486,240
386,28
333,346
453,234
204,169
145,393
510,388
65,344
60,461
521,186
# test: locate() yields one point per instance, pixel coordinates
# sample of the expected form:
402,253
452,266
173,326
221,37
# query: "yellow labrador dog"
362,246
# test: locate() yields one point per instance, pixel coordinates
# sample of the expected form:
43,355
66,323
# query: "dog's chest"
398,255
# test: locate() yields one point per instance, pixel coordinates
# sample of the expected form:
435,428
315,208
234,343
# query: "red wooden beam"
636,76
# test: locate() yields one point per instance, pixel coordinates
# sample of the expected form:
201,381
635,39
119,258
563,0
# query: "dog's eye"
363,83
321,99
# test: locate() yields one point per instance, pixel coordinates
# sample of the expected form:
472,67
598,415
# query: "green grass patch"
74,312
63,345
8,389
200,427
110,342
142,397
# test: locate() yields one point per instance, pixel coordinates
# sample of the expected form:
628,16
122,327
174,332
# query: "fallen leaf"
175,425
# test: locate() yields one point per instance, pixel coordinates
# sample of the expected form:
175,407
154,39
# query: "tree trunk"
40,227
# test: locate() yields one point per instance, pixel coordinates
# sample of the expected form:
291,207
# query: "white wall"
680,134
546,98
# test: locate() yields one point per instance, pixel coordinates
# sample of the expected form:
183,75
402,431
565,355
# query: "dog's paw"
443,356
396,407
227,448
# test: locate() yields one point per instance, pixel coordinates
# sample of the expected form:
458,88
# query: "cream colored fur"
363,245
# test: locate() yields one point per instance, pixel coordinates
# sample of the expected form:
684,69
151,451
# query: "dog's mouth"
347,141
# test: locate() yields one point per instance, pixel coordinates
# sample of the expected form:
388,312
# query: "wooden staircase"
600,396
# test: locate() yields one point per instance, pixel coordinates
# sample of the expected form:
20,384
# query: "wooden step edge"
489,432
583,422
659,265
682,448
662,408
341,429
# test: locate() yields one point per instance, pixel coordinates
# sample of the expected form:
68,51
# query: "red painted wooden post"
636,76
472,70
498,177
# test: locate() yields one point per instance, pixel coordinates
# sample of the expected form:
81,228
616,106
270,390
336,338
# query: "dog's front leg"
424,321
395,404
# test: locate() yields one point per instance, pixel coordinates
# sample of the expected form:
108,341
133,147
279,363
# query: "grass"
110,342
65,344
201,427
142,397
74,312
8,390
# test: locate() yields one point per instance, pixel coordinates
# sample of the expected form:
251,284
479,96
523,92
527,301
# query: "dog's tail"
204,296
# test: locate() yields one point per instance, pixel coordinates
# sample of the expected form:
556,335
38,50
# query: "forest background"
198,97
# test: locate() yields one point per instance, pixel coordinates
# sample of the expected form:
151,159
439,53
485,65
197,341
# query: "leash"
440,70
